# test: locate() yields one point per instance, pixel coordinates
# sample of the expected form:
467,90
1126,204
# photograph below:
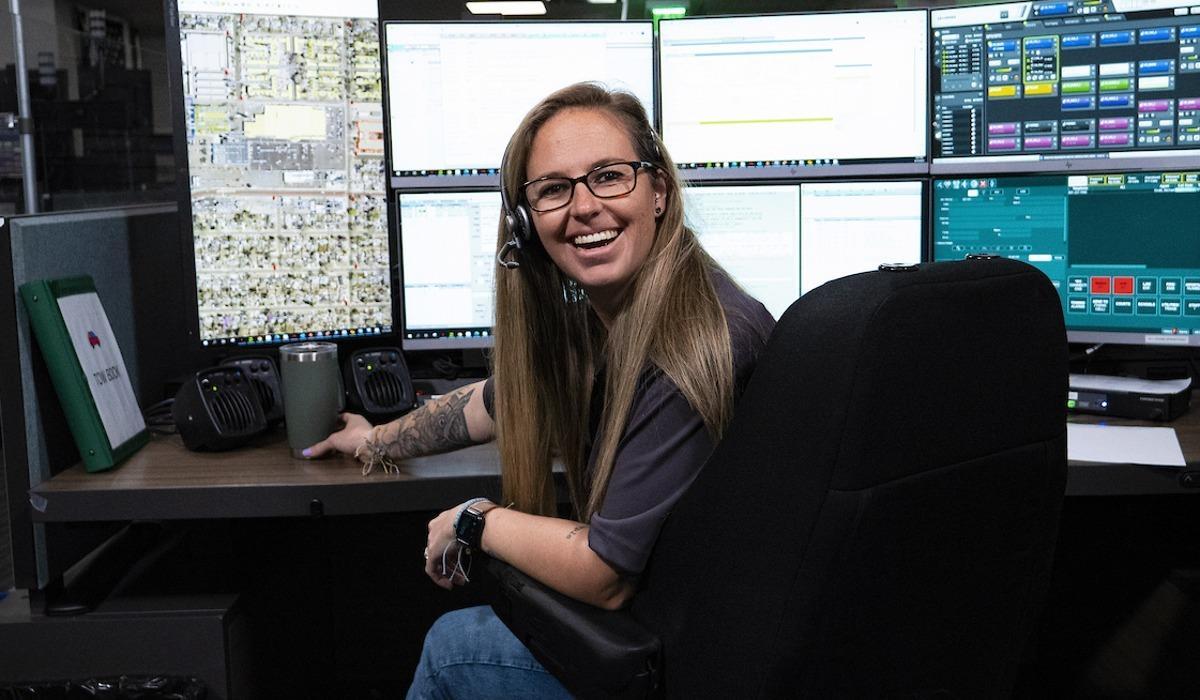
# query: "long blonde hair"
548,341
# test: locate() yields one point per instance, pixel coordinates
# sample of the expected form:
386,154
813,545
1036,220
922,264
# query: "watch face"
470,528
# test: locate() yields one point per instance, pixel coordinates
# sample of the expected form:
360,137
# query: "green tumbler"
312,393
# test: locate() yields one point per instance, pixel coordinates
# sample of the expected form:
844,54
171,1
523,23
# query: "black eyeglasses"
606,181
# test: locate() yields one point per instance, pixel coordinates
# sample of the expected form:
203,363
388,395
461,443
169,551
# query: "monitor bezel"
1046,163
797,172
1156,340
183,199
466,182
401,332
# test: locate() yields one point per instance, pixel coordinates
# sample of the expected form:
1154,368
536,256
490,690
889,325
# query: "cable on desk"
160,418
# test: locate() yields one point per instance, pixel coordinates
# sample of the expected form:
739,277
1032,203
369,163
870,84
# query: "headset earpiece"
516,218
520,224
517,222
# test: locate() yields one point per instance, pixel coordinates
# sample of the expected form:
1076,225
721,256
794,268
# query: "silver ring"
426,553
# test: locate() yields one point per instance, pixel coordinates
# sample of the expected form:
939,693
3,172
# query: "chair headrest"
917,368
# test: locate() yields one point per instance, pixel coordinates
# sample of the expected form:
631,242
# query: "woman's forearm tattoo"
438,426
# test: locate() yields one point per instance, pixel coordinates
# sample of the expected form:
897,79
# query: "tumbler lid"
307,352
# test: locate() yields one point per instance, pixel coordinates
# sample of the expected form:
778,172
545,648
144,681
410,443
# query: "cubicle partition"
133,255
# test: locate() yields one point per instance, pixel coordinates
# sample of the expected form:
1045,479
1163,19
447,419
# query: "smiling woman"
646,297
620,347
599,235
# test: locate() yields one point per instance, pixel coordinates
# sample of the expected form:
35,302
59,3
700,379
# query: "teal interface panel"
1123,249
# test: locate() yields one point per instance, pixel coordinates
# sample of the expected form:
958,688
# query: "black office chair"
879,520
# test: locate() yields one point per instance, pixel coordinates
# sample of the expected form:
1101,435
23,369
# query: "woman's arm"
552,550
451,421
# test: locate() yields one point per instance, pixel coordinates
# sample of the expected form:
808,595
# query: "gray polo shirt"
664,444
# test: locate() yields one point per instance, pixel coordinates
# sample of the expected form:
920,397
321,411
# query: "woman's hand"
445,561
347,440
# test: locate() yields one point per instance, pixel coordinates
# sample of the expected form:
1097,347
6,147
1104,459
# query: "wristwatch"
468,527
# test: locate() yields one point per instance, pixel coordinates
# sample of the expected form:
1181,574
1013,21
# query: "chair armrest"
595,653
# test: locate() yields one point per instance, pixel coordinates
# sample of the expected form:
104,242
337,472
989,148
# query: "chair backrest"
880,517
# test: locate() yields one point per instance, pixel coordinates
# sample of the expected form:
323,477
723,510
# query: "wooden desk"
164,481
1097,479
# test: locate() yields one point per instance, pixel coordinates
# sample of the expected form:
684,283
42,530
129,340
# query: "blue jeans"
471,654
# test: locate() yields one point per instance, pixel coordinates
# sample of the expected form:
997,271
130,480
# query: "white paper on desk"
1124,444
1103,382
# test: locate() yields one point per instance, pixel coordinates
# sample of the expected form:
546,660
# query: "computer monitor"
1119,247
455,91
852,227
753,231
448,248
1066,85
781,241
279,143
787,96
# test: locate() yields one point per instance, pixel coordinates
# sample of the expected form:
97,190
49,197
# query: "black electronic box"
1122,398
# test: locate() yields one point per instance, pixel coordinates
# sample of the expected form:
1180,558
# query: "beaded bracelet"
373,453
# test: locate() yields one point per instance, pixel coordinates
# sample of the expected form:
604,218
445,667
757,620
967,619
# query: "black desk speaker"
218,409
264,377
377,382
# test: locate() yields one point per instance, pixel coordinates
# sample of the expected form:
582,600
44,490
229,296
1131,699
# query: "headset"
517,221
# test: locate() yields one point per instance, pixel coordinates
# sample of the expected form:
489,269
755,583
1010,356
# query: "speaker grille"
264,377
232,412
384,390
266,396
377,382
